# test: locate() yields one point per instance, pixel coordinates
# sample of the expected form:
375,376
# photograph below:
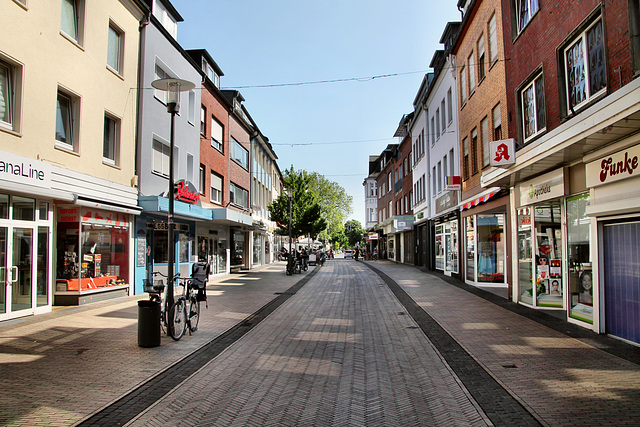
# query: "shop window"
491,248
43,211
160,247
470,233
185,246
4,206
23,208
585,67
525,255
548,255
579,256
534,116
439,247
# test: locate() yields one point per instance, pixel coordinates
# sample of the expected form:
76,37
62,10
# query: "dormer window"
210,73
168,22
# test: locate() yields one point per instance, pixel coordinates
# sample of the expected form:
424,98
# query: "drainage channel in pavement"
500,406
133,403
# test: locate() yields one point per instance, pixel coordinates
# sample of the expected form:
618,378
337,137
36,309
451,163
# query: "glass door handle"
14,276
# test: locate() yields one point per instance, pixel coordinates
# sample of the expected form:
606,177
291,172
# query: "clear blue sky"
330,128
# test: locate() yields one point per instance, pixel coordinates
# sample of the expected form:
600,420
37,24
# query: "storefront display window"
548,255
43,267
184,245
580,264
491,248
471,248
160,246
4,206
92,249
392,254
237,255
258,245
525,263
439,247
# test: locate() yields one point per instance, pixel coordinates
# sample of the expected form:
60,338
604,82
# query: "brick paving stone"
336,353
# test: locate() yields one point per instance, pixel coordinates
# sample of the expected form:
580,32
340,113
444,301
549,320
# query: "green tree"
306,214
335,205
354,232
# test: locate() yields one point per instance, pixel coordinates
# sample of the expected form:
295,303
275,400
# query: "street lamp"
173,87
289,192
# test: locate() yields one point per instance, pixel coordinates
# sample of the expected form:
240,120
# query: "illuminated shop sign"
186,192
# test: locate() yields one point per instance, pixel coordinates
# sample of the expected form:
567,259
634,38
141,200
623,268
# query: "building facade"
63,140
575,203
483,118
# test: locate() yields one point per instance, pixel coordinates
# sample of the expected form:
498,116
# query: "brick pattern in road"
342,351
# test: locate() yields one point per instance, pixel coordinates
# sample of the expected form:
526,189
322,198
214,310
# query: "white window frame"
523,12
112,155
203,120
533,87
202,178
482,70
71,120
484,129
75,34
582,37
115,61
239,154
236,190
11,95
161,157
160,73
472,74
450,105
216,192
443,117
493,40
463,84
217,135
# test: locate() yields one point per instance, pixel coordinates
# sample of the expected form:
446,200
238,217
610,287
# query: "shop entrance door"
17,252
621,283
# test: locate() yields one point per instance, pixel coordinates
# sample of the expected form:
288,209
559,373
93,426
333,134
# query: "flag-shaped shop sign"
453,183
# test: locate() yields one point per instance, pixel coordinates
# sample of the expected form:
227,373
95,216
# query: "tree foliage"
354,232
306,213
335,205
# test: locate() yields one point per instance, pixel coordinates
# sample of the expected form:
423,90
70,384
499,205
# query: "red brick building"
574,110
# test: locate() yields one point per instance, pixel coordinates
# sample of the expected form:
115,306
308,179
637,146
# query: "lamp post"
173,87
289,192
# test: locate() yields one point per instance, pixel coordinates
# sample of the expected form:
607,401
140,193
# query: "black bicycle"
172,321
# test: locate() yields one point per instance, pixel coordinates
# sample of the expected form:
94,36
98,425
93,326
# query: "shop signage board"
403,222
616,167
186,192
503,152
91,216
453,183
372,236
545,187
23,170
446,201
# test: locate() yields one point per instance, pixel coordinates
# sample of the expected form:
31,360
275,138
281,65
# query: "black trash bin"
148,323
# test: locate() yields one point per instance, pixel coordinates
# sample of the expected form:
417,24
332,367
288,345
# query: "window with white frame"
444,116
211,73
484,127
160,74
450,105
191,116
434,183
532,99
111,141
165,18
474,151
238,196
451,162
465,159
481,58
216,188
493,40
217,132
463,85
437,123
66,120
203,120
497,123
202,178
115,45
10,92
161,156
239,154
472,73
445,164
390,208
524,11
389,183
585,66
72,19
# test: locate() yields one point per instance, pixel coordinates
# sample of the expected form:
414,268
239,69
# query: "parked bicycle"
157,291
185,311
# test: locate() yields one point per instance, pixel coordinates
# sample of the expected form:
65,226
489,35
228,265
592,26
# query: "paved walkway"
354,345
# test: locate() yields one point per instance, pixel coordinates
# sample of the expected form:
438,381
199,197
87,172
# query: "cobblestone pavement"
352,343
57,368
341,352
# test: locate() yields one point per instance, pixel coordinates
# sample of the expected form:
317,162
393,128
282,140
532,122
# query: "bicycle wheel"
178,319
194,313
